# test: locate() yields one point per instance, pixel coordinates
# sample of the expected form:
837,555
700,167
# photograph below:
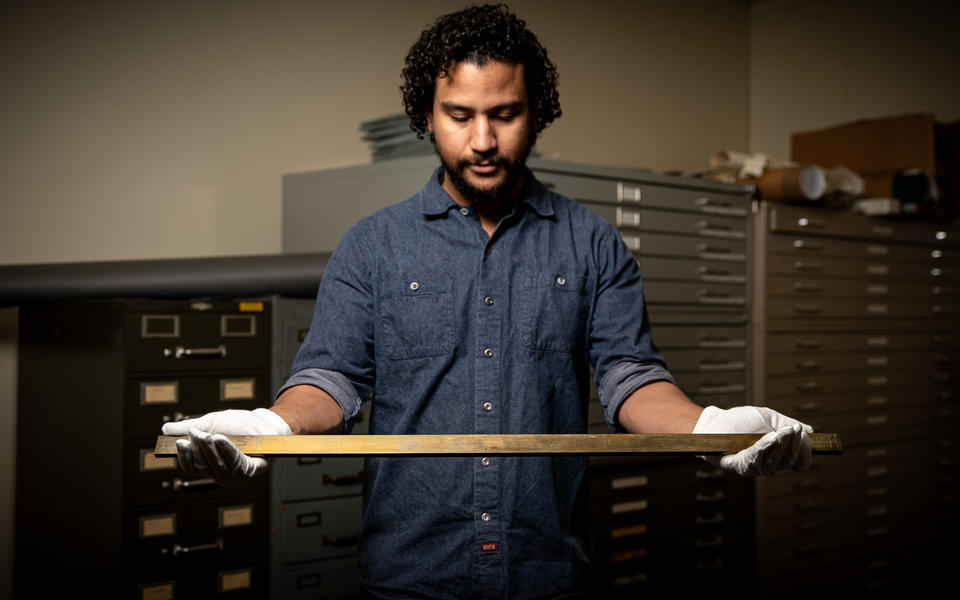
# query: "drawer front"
655,244
870,270
806,288
825,308
227,579
859,341
309,477
816,222
334,579
705,385
800,363
320,529
152,481
693,270
703,337
706,361
799,246
628,218
700,294
190,341
589,189
810,406
198,534
863,383
153,401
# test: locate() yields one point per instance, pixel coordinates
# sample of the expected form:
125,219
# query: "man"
478,306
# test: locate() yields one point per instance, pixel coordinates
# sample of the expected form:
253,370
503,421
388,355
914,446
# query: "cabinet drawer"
153,401
657,244
807,288
870,270
825,308
799,246
800,363
704,337
701,294
309,477
692,270
704,385
860,341
706,361
628,218
189,341
590,189
320,529
818,222
815,385
333,579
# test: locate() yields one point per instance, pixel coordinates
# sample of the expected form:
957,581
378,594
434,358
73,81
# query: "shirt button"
485,517
488,300
488,250
488,353
485,461
464,211
561,280
488,406
414,286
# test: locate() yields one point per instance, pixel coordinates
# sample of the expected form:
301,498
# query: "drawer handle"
808,483
812,223
343,479
809,549
809,525
807,309
181,352
216,545
809,365
710,341
712,543
194,484
713,364
807,407
802,286
807,343
800,265
716,518
808,506
714,497
808,386
806,245
717,563
340,542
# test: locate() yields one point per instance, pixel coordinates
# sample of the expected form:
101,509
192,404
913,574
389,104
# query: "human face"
482,130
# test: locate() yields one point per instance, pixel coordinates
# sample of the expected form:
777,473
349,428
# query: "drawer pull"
343,479
340,542
711,520
807,245
808,386
194,484
717,563
721,388
800,265
808,343
808,525
215,545
808,506
714,497
809,365
807,549
711,543
807,309
807,407
802,286
712,364
709,341
812,223
181,352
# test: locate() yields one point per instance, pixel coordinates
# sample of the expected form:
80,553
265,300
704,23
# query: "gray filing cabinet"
315,504
857,332
659,524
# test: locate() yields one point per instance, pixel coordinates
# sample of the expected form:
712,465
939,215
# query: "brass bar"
505,444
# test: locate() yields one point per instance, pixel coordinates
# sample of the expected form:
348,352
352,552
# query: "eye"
460,118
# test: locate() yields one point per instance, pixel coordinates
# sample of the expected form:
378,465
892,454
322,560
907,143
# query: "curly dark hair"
478,34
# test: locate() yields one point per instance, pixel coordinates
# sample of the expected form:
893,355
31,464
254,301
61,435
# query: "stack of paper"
391,137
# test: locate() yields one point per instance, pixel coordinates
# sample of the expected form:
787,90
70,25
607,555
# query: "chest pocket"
555,307
416,317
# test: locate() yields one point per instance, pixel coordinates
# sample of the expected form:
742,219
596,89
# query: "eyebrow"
453,106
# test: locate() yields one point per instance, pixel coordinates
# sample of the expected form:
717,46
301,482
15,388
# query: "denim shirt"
452,331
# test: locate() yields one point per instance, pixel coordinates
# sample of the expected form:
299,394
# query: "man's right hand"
209,452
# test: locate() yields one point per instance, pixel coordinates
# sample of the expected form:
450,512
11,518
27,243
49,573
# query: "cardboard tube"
790,183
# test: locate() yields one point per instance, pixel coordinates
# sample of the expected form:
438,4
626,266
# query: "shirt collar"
435,201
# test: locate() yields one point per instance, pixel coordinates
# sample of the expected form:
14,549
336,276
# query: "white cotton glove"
786,444
210,453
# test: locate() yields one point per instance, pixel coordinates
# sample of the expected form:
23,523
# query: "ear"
429,116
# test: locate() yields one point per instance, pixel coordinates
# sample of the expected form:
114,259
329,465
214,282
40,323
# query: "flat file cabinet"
658,524
857,332
315,504
96,511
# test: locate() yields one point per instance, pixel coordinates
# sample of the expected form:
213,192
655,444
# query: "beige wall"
816,63
162,129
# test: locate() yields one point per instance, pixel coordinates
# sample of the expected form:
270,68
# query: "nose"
483,136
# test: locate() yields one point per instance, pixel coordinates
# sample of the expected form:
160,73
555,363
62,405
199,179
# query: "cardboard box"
875,148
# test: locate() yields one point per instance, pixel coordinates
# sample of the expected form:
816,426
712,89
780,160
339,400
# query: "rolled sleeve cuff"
333,383
624,379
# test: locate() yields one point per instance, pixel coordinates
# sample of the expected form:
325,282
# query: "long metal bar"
506,444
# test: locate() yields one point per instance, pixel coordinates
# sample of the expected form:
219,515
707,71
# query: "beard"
512,174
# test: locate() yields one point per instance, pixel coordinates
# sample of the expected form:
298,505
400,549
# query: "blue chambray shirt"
452,332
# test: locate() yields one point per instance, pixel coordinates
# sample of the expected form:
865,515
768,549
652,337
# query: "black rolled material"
294,275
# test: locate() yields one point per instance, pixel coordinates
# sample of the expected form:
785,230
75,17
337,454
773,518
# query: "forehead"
473,85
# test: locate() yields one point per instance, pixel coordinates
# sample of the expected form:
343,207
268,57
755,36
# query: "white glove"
210,453
785,445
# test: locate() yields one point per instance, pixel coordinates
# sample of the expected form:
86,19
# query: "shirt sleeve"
622,352
337,355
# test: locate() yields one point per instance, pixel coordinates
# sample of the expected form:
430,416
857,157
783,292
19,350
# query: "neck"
490,211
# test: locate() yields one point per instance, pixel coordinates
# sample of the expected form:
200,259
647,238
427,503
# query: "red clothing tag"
489,547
